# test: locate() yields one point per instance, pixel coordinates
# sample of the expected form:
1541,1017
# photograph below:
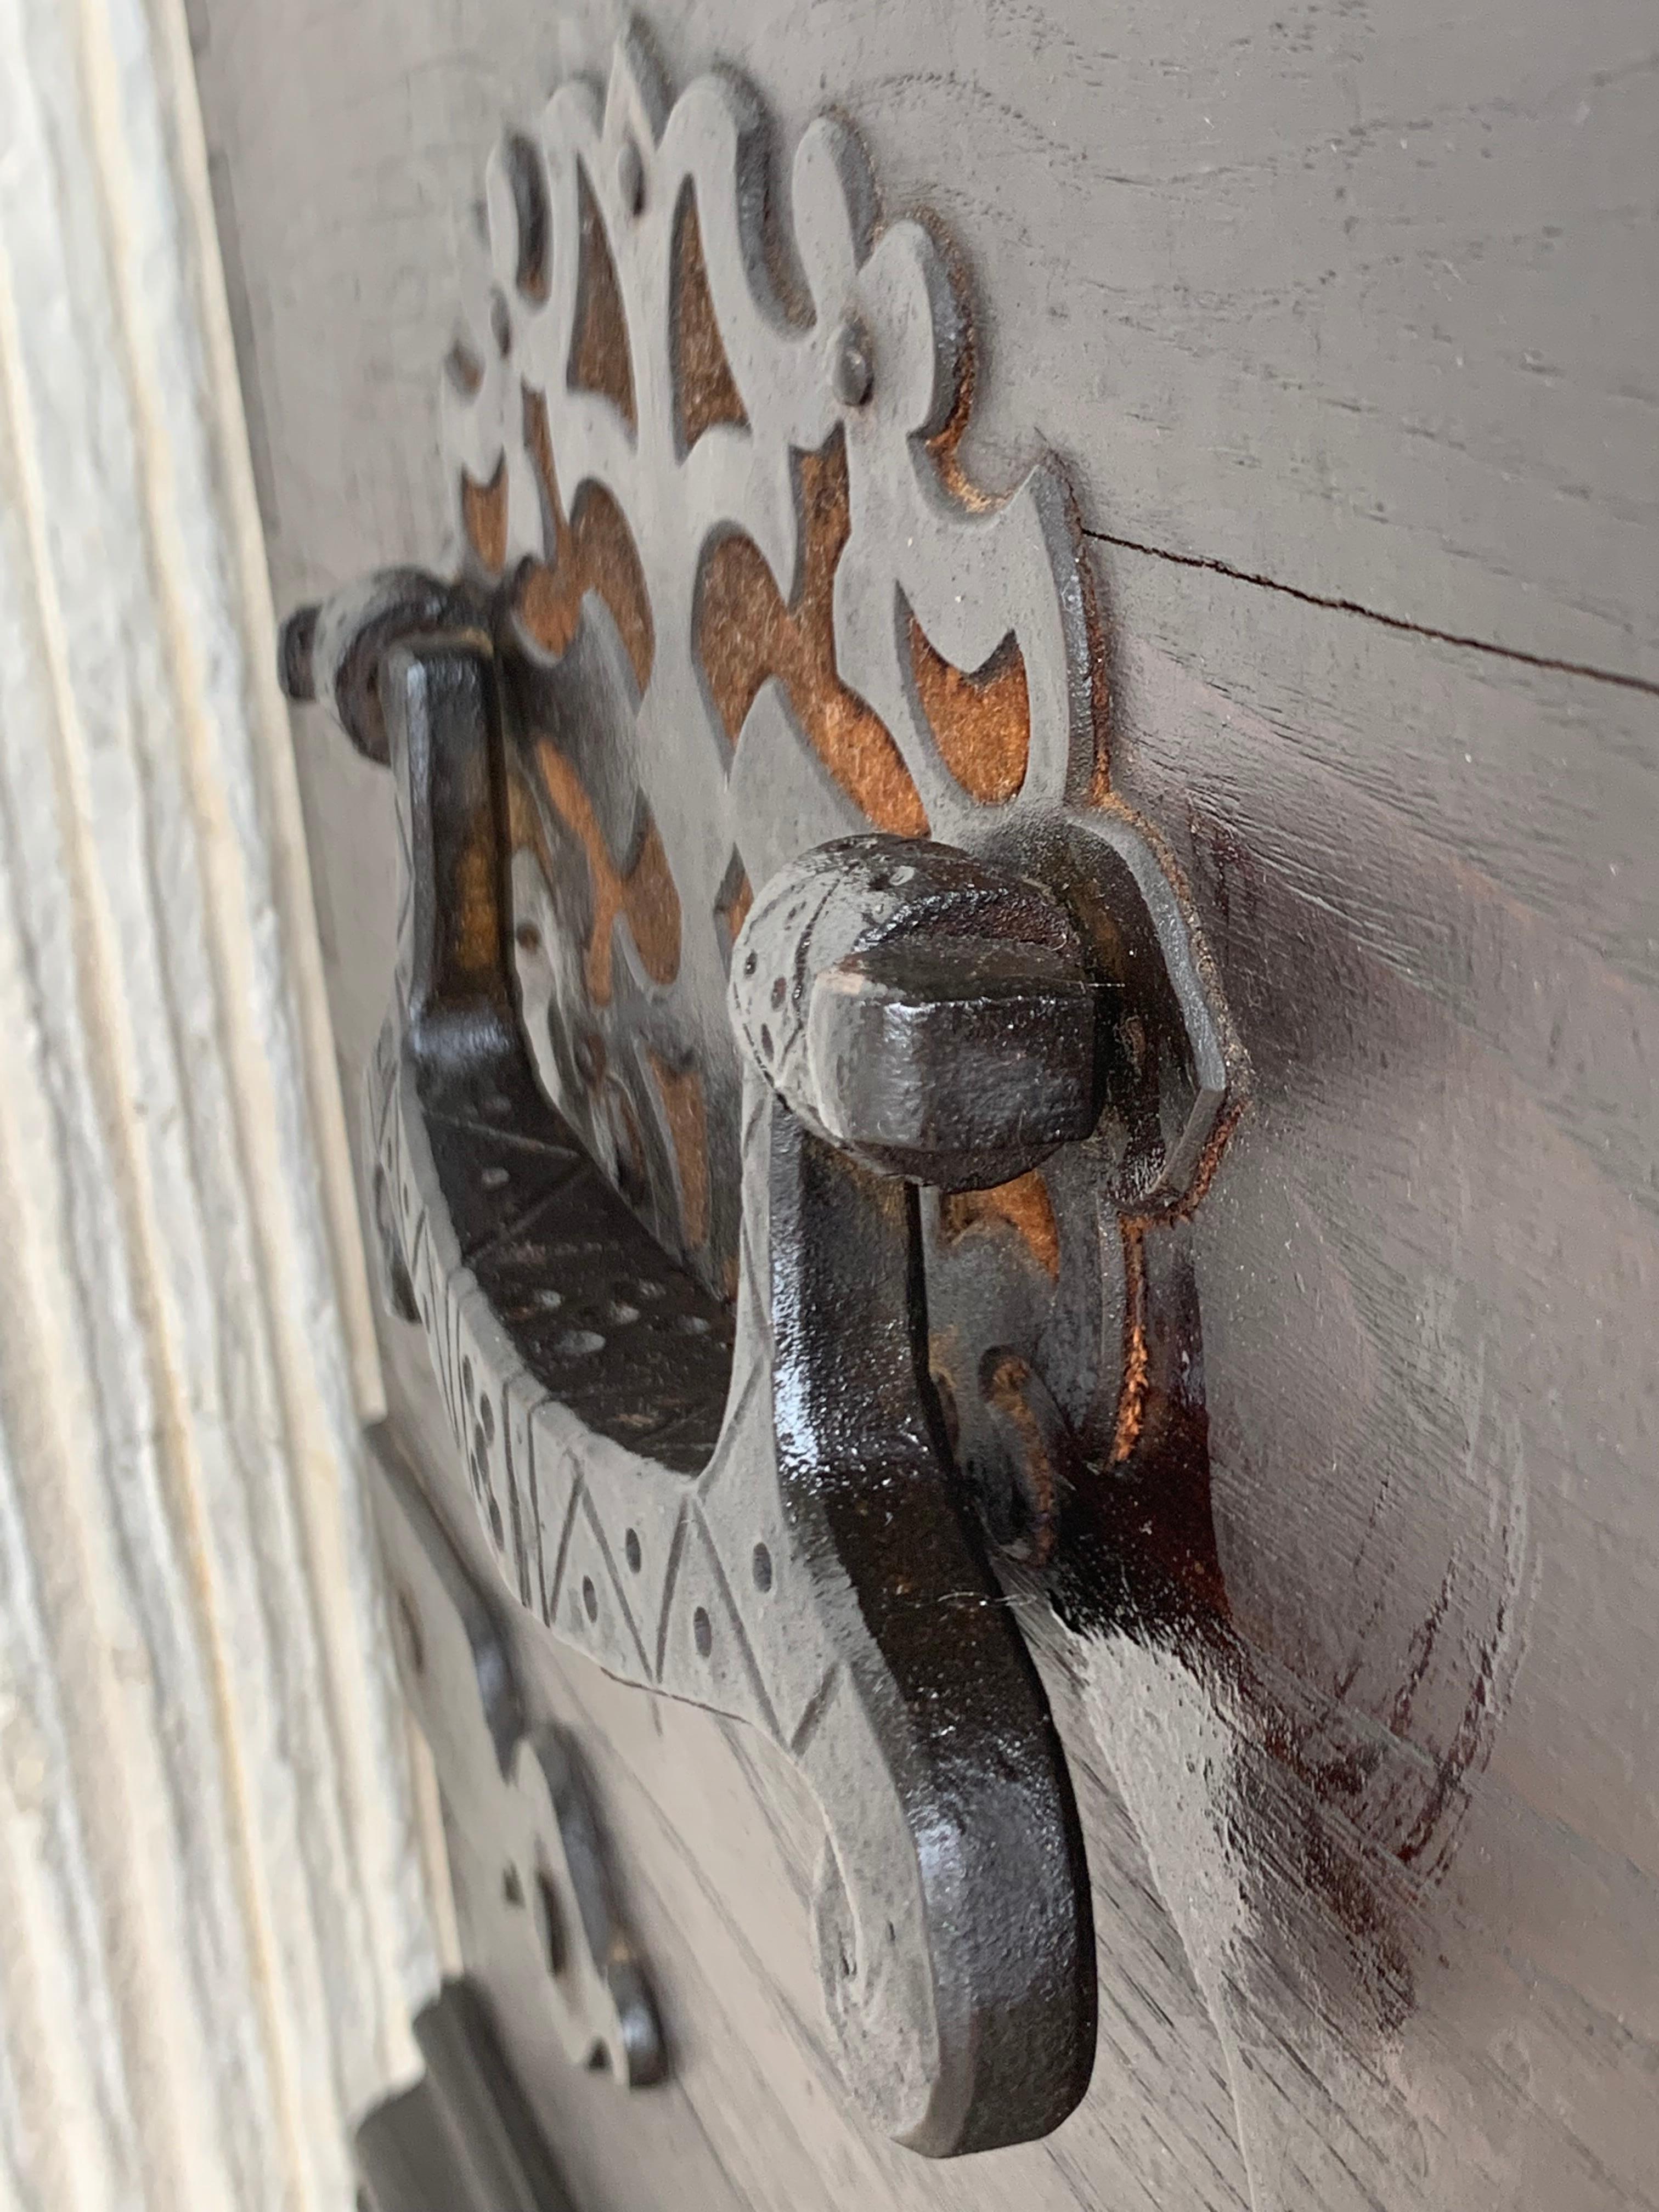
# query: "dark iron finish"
864,1475
647,1009
333,652
808,1562
934,1016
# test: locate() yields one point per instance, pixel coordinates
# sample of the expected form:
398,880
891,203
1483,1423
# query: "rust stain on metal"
478,914
705,391
980,718
633,1172
944,446
599,358
592,550
484,518
1137,1358
1022,1206
745,634
524,830
645,897
1008,1388
737,896
738,912
681,1090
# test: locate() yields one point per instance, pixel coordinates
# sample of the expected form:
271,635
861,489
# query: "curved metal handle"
762,1518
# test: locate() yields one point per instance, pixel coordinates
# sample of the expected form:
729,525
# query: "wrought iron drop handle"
760,1518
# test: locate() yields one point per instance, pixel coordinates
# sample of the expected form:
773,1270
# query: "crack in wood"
1335,605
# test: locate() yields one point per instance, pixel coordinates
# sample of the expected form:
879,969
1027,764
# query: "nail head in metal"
852,372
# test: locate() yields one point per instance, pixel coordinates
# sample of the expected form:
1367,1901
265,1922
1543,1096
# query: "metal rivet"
630,177
846,361
587,1050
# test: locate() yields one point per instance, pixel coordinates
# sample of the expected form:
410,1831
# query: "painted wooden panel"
1357,301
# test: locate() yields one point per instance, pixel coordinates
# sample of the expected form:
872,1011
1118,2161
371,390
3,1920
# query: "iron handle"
791,1551
725,596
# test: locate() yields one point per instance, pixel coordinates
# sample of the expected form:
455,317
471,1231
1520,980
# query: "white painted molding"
211,1919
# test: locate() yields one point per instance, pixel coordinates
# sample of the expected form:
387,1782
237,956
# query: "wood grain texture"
1398,1946
1413,261
213,1926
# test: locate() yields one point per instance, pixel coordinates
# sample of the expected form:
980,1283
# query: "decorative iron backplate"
714,453
764,887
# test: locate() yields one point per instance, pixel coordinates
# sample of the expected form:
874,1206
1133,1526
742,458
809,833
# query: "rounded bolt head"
630,177
847,358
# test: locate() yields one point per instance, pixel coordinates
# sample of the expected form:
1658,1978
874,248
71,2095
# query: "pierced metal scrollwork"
792,1032
792,616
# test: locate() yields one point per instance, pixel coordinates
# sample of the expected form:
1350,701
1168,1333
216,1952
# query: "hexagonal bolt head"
934,1016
